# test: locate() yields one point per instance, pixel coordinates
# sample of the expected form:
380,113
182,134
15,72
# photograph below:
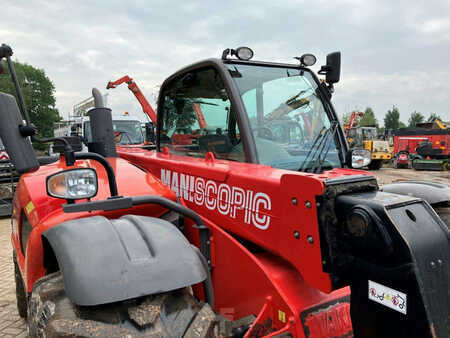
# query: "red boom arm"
146,107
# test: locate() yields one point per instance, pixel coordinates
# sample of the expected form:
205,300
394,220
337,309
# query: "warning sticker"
386,296
29,207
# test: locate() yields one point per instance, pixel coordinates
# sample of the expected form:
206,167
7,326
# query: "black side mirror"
18,146
332,69
150,132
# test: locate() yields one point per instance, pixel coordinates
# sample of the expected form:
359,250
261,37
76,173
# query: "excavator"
367,138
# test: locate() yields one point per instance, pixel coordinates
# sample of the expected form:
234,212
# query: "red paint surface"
289,271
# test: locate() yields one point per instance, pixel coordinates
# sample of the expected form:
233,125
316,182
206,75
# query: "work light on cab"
73,184
307,60
244,53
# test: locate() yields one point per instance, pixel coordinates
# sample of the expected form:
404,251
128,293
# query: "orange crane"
146,107
352,121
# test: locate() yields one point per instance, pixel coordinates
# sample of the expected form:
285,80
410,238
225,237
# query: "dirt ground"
390,175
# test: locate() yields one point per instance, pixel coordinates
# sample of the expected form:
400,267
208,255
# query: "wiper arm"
313,147
320,159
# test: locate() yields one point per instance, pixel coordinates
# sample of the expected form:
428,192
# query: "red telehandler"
94,250
285,243
299,239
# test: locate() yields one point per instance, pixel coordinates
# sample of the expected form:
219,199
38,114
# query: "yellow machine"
367,138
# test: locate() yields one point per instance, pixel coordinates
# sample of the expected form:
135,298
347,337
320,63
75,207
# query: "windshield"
125,132
287,116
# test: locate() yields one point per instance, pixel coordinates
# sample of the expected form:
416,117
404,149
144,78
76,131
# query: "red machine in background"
428,148
352,121
146,107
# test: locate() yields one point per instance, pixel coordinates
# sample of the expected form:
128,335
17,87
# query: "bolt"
208,242
439,262
294,201
308,204
310,240
296,234
432,264
318,204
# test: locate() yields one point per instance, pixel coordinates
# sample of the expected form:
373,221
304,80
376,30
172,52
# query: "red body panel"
410,142
290,271
43,211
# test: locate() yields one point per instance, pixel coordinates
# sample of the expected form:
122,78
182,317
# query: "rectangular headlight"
73,184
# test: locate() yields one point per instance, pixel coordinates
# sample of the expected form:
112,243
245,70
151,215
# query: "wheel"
21,295
375,164
171,314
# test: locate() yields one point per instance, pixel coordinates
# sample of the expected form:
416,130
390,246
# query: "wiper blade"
319,136
329,140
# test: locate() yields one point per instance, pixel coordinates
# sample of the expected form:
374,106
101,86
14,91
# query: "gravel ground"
390,175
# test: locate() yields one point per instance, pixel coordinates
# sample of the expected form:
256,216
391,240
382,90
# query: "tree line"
391,119
38,93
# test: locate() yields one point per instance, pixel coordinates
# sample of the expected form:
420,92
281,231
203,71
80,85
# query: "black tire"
21,295
172,314
375,164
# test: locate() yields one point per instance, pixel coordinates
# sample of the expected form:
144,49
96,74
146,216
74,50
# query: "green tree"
368,119
433,116
392,119
38,92
415,118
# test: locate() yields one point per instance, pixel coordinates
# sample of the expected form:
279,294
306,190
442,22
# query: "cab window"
197,117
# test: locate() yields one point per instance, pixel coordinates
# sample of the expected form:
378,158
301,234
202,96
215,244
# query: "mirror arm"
109,169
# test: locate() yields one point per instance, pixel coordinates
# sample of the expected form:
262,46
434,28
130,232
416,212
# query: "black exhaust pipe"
101,128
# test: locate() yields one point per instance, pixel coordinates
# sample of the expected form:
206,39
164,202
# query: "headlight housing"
360,158
73,184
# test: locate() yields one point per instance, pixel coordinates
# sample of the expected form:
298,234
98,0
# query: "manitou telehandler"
292,241
292,225
88,259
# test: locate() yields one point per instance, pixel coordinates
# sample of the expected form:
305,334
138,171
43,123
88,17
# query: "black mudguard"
409,253
105,261
431,192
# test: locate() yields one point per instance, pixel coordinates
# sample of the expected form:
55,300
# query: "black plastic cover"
105,261
102,131
429,191
415,261
18,147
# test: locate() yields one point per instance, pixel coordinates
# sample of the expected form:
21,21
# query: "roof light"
244,53
307,60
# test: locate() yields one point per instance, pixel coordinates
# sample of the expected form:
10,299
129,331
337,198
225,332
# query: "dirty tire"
375,165
21,295
171,314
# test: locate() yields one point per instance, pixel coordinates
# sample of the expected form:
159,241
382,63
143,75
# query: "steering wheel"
264,132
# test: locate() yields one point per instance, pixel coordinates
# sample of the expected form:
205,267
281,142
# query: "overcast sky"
393,52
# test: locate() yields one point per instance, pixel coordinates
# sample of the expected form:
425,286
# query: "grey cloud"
394,52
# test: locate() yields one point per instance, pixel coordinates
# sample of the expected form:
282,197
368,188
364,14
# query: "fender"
105,261
433,193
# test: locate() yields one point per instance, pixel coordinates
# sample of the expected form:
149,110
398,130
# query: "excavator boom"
146,107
